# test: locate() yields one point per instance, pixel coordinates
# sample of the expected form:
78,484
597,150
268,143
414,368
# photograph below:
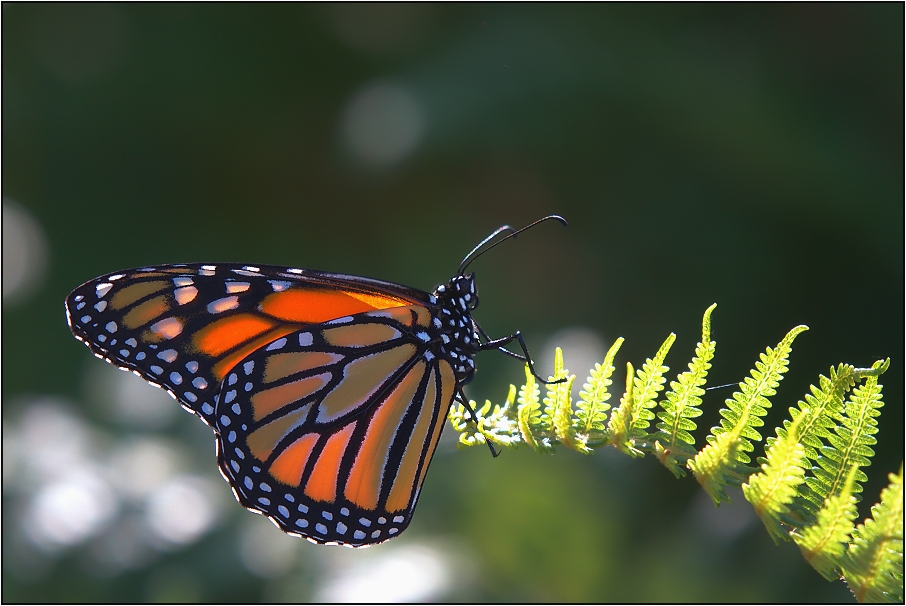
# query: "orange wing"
184,327
329,430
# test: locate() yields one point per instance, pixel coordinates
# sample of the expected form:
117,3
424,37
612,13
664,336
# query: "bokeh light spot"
382,124
25,253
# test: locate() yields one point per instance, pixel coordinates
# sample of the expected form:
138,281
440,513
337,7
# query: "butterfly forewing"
184,327
329,430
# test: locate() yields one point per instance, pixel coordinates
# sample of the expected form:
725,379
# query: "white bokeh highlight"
382,124
25,253
410,572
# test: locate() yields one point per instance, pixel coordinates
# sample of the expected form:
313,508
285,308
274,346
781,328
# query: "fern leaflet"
875,557
823,543
772,490
591,417
850,443
753,399
673,443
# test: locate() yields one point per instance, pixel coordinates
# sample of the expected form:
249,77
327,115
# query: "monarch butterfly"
327,393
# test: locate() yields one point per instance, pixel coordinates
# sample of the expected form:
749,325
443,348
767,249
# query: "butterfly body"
327,393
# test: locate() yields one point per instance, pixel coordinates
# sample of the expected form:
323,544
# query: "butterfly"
327,393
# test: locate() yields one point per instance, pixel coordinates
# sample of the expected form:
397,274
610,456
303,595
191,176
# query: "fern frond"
558,405
825,408
874,559
772,490
823,543
850,443
529,416
500,427
717,464
674,445
591,414
635,412
753,399
620,423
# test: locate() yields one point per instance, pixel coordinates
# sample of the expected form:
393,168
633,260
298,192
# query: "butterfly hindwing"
184,327
330,429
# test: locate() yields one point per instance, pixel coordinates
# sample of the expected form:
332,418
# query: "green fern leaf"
850,443
674,444
772,490
874,559
529,416
717,464
591,414
753,399
558,407
823,543
620,423
825,406
634,414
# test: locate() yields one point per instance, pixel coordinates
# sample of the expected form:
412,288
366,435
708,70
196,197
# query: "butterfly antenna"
477,251
496,233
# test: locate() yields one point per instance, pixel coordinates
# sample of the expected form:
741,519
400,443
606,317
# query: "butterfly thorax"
455,337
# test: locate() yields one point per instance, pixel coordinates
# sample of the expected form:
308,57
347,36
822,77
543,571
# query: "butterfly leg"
465,401
527,358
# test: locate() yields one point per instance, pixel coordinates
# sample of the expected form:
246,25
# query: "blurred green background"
749,155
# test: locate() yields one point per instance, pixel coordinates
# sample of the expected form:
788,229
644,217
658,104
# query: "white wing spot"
393,531
248,367
234,287
140,356
157,370
278,344
111,327
168,328
222,305
183,281
344,511
305,339
341,528
100,305
199,383
398,519
116,277
343,320
191,397
320,528
302,523
131,342
103,289
358,534
375,534
209,267
176,378
251,268
192,366
382,520
167,355
327,515
365,522
295,271
87,319
186,294
279,286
